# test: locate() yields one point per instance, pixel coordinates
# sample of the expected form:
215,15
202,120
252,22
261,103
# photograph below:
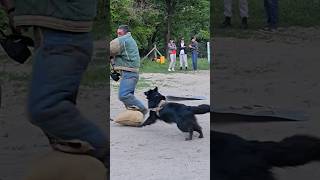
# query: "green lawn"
149,66
291,13
95,76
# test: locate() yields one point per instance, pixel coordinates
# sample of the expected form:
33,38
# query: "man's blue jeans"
195,60
271,8
127,87
59,64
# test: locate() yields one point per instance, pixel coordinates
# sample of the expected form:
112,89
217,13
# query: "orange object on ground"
162,60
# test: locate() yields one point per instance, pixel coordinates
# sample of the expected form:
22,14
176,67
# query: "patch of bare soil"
159,151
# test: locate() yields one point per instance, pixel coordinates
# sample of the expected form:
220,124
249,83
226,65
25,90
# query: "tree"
155,21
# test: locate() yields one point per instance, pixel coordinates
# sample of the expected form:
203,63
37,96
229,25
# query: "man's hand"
112,61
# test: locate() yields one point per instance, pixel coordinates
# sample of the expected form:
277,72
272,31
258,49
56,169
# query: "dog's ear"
163,98
156,89
146,93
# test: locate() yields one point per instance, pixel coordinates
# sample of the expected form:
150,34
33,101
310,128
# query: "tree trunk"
170,5
152,40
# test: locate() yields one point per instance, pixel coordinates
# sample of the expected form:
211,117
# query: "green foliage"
142,19
291,13
148,20
3,20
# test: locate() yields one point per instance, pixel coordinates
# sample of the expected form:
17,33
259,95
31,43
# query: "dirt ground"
278,72
159,151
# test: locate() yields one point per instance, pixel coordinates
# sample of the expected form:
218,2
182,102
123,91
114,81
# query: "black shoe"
186,68
180,68
226,23
244,23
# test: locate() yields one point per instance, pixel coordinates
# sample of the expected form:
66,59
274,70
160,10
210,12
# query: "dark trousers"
194,57
271,8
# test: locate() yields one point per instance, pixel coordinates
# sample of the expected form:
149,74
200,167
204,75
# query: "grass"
95,76
148,66
143,83
291,13
99,29
10,76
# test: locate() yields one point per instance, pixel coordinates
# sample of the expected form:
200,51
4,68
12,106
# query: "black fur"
234,158
182,115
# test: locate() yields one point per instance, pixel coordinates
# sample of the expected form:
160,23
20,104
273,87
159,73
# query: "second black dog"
182,115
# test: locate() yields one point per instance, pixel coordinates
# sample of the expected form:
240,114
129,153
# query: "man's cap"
124,27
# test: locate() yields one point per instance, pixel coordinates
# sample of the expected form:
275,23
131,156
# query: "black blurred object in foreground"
235,158
16,46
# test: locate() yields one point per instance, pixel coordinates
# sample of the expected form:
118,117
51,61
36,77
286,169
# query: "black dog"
234,158
182,115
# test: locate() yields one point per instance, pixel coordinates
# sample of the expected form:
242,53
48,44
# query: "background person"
64,50
183,55
194,53
244,13
172,54
271,8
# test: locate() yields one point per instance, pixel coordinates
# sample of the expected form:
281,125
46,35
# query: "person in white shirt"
183,55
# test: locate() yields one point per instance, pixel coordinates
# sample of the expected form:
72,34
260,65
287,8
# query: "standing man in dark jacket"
271,8
194,53
65,47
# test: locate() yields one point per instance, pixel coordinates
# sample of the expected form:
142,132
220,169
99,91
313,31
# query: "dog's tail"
201,109
292,151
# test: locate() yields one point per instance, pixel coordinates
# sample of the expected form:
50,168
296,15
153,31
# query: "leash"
178,98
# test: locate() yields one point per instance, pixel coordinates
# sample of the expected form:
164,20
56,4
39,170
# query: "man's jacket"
66,15
125,51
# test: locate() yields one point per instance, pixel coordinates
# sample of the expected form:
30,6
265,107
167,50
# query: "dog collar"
157,109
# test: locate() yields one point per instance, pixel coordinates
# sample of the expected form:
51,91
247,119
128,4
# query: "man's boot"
227,22
244,23
136,108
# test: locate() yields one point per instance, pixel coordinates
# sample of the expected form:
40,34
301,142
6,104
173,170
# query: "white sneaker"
173,69
169,69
